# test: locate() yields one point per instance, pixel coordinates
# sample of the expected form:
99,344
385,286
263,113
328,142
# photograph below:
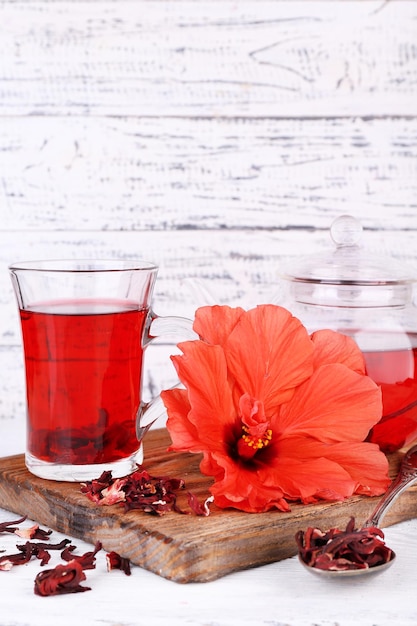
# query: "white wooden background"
214,137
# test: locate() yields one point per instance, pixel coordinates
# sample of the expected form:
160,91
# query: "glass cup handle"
182,327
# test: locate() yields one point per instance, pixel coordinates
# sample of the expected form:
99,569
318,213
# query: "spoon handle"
407,475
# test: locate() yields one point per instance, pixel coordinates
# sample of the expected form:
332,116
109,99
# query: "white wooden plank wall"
216,138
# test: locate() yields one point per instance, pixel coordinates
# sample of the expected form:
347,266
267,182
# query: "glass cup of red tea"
85,325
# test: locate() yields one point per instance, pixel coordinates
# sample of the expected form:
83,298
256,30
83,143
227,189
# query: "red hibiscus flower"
278,415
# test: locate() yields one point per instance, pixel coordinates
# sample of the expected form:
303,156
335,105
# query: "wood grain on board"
182,548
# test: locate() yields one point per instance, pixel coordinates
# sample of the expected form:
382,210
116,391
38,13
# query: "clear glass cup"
85,325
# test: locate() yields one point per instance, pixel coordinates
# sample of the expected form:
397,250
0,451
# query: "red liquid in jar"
396,373
83,377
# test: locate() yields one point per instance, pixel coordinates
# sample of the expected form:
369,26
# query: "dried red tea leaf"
114,493
199,508
86,560
138,490
66,554
9,560
37,546
20,558
66,578
94,488
83,445
28,550
41,550
7,527
115,561
343,549
43,555
33,532
60,580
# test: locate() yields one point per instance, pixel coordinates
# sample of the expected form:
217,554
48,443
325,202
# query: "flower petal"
335,404
202,369
269,353
309,479
367,465
364,468
184,434
215,323
333,347
245,489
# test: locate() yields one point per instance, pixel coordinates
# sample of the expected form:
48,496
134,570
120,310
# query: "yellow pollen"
256,443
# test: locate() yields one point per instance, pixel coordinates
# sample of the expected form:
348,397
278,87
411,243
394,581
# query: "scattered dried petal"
115,561
114,493
343,550
66,554
20,558
86,560
36,547
41,550
139,490
60,580
66,578
94,488
33,532
197,507
6,527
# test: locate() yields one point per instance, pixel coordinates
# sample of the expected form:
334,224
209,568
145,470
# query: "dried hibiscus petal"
115,561
31,549
7,527
9,560
41,550
141,491
138,490
114,493
86,560
66,578
33,532
37,547
61,579
95,487
343,549
199,508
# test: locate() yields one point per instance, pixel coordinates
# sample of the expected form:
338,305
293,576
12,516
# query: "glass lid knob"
346,231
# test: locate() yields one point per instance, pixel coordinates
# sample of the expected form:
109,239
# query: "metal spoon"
406,477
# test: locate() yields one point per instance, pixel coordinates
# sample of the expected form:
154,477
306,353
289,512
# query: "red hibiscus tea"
83,378
84,327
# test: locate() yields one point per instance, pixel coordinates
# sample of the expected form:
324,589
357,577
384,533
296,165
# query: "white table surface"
279,594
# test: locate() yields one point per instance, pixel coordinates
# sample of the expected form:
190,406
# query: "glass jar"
370,299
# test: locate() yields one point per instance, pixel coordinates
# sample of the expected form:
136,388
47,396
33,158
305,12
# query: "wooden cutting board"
182,548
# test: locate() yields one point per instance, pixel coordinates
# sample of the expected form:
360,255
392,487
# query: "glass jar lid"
348,275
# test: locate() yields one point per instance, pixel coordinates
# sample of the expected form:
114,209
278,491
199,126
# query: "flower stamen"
248,445
256,442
